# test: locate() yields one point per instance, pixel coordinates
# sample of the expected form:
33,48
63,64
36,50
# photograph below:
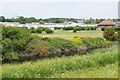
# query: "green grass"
70,34
56,67
107,71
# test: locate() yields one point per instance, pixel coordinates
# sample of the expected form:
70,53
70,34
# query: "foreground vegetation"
98,61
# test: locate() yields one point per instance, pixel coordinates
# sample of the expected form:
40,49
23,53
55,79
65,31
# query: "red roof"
106,23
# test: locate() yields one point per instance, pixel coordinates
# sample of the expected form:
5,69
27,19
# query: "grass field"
100,63
70,34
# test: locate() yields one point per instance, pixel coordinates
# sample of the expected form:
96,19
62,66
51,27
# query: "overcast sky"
60,8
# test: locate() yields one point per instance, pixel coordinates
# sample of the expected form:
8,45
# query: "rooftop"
106,23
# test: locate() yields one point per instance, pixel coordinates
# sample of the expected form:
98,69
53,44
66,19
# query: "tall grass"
107,71
49,67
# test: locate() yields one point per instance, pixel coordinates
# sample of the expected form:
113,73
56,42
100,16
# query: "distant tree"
88,21
21,19
2,19
101,20
32,19
59,21
27,20
41,22
97,21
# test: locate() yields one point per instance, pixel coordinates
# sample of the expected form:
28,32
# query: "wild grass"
57,66
107,71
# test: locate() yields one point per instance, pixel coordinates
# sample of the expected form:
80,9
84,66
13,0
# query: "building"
106,23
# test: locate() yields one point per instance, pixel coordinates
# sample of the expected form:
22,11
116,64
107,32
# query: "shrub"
103,29
93,28
32,30
55,43
77,41
48,31
117,29
79,28
74,30
39,30
57,28
67,28
59,47
87,28
94,42
109,34
83,28
14,41
44,28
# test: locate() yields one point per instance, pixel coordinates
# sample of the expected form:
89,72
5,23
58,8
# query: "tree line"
24,20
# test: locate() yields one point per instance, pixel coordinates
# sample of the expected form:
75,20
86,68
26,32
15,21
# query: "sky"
59,8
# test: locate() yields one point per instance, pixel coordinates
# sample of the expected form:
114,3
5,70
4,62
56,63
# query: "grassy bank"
56,67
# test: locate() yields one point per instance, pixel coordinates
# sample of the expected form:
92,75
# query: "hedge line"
116,29
80,28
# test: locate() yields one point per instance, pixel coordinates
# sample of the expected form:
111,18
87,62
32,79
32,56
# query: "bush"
94,42
109,34
14,41
103,29
87,28
67,28
55,43
117,29
77,41
83,28
48,31
79,28
32,30
93,28
74,30
57,28
39,30
59,47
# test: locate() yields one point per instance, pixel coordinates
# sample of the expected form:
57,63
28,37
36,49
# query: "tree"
21,19
59,21
32,19
88,21
27,20
41,22
2,19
